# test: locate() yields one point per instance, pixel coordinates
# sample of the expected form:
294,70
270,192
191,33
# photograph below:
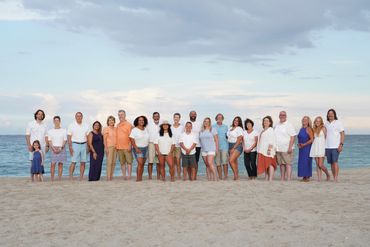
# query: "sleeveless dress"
318,146
96,165
304,159
36,167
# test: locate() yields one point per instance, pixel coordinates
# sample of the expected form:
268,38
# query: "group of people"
179,146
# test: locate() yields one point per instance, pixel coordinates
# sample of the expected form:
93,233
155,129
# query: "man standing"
37,130
77,141
196,127
123,144
153,136
285,137
222,155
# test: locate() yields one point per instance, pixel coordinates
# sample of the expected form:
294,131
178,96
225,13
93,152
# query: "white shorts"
208,153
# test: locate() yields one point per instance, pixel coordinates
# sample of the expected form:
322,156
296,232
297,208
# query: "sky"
249,58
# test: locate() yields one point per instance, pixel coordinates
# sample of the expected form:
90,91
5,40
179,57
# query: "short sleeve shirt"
207,141
333,134
284,131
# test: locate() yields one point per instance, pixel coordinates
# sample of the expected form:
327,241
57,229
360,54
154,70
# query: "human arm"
91,147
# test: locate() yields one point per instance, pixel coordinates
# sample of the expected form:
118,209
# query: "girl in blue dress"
37,167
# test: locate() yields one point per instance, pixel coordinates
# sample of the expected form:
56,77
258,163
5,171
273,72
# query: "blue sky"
248,58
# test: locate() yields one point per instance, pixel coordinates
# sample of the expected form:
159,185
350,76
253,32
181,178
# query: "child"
37,168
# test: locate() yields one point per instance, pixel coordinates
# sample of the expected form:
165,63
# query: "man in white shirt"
77,141
57,139
153,129
196,127
285,137
188,143
334,141
37,130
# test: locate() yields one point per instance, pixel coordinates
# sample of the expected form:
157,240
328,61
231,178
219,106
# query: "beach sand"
153,213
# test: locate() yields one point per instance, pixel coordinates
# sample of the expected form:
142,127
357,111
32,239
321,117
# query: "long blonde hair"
309,122
317,129
210,124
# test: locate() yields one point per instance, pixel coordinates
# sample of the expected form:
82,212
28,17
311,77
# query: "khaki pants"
111,160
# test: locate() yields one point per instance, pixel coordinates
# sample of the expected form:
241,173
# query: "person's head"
283,116
97,126
176,118
165,127
306,122
219,118
79,117
56,121
318,125
248,124
141,121
36,145
267,122
122,115
156,117
188,127
193,116
111,121
39,115
237,122
207,124
332,115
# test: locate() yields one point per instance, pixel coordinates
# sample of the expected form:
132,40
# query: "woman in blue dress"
96,146
305,139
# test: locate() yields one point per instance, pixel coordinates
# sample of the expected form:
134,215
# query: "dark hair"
335,114
161,130
109,118
218,115
154,113
240,122
36,141
56,117
270,119
100,126
79,113
246,123
136,122
43,114
188,122
177,114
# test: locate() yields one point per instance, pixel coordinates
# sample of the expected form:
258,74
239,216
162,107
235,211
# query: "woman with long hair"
305,139
235,138
209,143
96,147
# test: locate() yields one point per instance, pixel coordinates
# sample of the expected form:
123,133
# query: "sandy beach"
153,213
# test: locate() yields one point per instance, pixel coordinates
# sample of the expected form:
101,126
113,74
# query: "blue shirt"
207,140
222,133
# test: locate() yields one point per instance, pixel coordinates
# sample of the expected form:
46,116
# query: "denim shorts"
332,155
143,150
239,148
79,153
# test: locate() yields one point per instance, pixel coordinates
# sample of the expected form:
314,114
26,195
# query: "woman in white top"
164,146
235,139
250,140
318,148
177,129
140,141
266,149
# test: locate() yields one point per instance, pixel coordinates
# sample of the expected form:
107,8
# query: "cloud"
13,10
234,29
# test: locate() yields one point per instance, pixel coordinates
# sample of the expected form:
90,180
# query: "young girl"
37,168
318,147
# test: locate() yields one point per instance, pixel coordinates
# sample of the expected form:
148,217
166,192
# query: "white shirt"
284,131
197,126
37,131
141,137
188,140
57,137
165,143
333,133
232,135
78,132
176,133
266,139
249,139
153,130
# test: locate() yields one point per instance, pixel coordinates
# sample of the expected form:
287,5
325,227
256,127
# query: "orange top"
110,135
123,133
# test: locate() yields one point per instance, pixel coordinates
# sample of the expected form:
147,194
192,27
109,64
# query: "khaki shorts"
152,156
176,153
125,156
284,158
222,157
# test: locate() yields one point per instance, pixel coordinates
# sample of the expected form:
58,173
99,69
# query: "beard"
193,119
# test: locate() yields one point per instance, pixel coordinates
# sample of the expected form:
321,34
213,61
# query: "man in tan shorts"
153,128
123,145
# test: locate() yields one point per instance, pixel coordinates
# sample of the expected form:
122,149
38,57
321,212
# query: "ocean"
14,157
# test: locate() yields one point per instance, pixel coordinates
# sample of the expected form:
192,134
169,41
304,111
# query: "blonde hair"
309,122
210,124
317,129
